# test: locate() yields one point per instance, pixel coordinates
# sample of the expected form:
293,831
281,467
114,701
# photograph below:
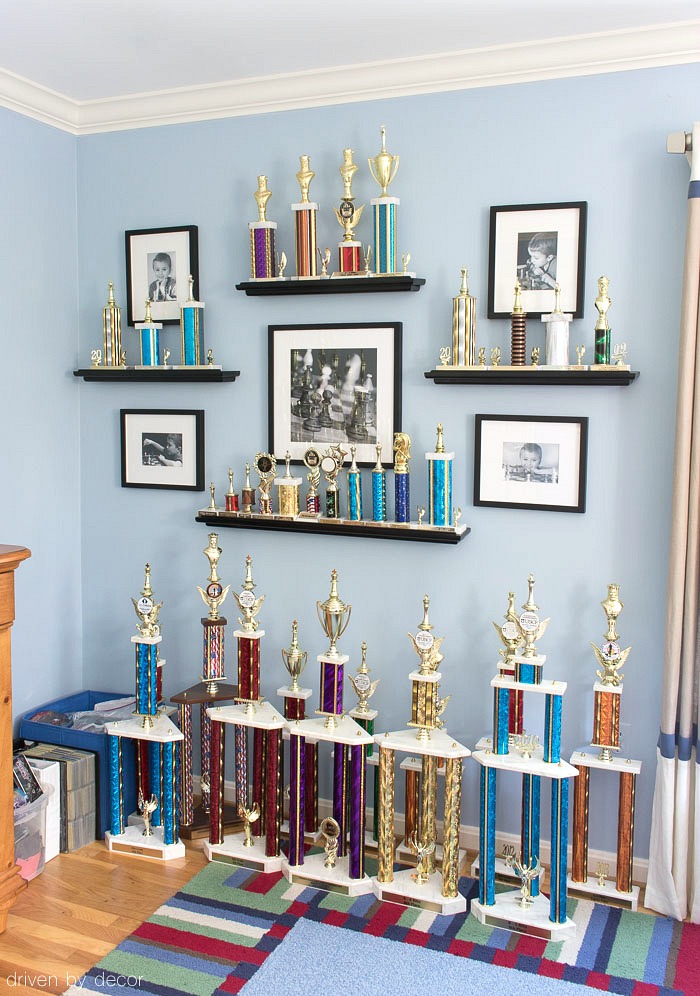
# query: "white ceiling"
83,51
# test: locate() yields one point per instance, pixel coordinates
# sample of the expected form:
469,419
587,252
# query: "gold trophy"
425,644
249,816
331,464
265,466
146,609
349,250
422,851
362,685
147,807
294,659
215,595
248,604
383,168
334,616
330,831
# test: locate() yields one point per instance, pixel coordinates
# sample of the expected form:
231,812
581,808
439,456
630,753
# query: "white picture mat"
137,473
176,244
509,224
286,340
493,486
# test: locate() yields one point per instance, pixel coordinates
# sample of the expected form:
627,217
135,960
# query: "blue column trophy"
192,329
383,168
149,336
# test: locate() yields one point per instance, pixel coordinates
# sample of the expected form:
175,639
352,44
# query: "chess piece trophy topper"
347,214
610,657
215,594
294,659
248,604
425,644
529,623
334,616
509,632
147,609
362,685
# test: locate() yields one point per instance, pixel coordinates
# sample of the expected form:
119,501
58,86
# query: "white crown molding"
524,62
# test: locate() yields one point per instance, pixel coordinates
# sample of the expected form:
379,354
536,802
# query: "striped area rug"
224,926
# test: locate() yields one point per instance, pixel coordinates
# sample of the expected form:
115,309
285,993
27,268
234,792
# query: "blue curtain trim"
674,745
694,189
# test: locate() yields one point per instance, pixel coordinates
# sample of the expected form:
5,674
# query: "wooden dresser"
10,882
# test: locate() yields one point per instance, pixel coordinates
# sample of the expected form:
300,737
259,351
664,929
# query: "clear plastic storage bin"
30,835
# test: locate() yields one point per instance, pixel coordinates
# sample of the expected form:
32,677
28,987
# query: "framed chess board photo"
334,385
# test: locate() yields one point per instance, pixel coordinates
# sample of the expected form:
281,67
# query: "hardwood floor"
78,909
83,905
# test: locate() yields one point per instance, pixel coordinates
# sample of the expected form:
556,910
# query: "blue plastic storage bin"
47,733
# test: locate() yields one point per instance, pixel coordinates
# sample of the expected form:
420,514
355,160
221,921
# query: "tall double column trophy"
344,868
211,689
605,756
427,739
260,803
526,909
383,168
158,836
305,214
349,250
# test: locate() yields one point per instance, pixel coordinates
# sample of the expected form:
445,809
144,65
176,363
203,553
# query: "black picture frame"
509,453
558,235
149,456
376,345
142,247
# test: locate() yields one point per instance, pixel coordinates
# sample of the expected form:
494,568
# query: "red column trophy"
152,727
262,816
295,699
209,690
349,250
423,887
607,693
341,867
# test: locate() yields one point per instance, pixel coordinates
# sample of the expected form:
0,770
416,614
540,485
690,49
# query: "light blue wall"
599,139
40,404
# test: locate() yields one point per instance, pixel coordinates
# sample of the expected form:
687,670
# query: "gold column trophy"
349,250
305,212
111,331
463,326
262,237
288,492
607,695
425,887
383,168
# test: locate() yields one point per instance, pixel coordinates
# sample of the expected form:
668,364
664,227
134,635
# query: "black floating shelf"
531,376
335,527
331,285
201,374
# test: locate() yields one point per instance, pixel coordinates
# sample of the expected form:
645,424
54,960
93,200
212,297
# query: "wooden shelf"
335,527
531,376
206,375
330,285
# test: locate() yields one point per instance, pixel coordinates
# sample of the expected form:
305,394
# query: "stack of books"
78,796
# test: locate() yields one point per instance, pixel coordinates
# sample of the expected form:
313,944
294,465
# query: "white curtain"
673,884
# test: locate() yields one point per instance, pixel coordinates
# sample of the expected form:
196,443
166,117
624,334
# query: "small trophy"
312,460
527,873
262,236
294,659
147,808
265,466
305,212
331,464
354,489
192,329
383,168
362,685
440,482
231,496
247,492
288,492
402,454
378,488
422,851
602,326
149,335
111,331
349,250
330,831
249,816
518,327
557,335
463,326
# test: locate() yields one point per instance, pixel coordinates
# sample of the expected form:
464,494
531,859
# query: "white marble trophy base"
336,879
234,851
605,893
405,891
507,912
133,842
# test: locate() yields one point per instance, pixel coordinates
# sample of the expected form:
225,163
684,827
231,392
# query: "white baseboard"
469,837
